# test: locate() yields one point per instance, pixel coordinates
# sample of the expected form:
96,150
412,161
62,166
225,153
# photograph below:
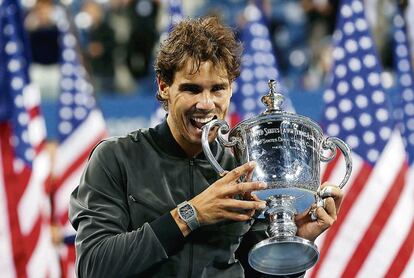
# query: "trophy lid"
273,100
274,112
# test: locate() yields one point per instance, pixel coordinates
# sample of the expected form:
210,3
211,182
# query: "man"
125,208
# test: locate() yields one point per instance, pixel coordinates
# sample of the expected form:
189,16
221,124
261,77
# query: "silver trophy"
288,149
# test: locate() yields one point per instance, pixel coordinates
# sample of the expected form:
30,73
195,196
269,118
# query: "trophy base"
283,255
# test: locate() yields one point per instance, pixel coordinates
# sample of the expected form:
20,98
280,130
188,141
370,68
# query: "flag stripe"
348,201
79,160
68,254
29,205
38,265
377,224
6,261
393,235
31,239
80,140
13,192
409,268
62,195
404,254
357,164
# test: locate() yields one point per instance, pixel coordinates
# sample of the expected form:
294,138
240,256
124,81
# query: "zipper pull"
132,198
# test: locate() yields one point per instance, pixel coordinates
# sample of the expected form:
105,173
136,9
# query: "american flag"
80,127
26,249
377,211
258,66
404,260
176,15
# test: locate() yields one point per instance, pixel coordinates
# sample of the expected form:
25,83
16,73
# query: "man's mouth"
199,122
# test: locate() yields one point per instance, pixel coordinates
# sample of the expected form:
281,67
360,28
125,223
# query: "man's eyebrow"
223,85
189,87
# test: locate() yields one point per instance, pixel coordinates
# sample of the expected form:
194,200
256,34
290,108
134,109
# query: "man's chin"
196,138
212,135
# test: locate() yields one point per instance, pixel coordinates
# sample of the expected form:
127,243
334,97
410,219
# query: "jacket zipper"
138,201
191,173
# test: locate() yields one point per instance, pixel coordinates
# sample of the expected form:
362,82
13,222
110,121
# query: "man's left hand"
325,216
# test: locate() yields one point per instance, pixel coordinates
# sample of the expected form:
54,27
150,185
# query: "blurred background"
73,72
119,38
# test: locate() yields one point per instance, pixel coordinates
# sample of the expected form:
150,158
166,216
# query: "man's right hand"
217,202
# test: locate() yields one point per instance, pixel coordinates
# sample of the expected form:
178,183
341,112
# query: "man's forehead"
190,71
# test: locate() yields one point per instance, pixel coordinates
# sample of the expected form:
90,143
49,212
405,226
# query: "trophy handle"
222,130
331,143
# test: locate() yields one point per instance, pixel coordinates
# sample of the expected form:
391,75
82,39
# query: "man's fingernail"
252,163
262,205
263,185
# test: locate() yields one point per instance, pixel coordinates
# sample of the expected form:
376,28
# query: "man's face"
194,100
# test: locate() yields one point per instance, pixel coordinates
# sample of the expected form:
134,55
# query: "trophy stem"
281,216
283,253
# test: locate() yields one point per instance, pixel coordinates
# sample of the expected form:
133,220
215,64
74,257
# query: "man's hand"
325,216
217,202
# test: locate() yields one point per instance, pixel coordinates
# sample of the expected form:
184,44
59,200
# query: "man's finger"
323,218
249,175
243,187
237,215
328,190
243,205
250,196
236,173
330,207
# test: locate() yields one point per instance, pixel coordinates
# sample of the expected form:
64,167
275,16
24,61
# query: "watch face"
186,211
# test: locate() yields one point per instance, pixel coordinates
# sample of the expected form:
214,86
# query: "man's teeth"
203,120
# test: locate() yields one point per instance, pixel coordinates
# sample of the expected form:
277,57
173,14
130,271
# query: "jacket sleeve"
105,245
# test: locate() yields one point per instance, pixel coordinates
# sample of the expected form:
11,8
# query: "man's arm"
99,213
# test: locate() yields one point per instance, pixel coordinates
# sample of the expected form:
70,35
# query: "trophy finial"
273,100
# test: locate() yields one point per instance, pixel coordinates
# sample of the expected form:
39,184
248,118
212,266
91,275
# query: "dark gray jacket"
121,212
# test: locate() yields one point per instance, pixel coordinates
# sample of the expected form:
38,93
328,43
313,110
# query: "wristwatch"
188,214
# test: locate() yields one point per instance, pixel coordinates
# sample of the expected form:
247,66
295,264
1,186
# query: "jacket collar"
163,137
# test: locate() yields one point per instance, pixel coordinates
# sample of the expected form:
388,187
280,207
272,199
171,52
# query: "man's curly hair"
198,40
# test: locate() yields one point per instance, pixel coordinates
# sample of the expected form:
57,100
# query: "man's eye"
191,89
218,88
194,90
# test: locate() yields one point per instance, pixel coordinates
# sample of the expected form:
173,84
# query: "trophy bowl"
287,149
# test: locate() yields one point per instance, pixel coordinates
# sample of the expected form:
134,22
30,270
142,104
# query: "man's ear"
163,88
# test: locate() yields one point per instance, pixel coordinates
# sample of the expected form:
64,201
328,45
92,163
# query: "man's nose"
205,101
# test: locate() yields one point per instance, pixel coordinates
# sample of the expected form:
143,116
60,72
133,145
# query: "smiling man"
194,99
149,204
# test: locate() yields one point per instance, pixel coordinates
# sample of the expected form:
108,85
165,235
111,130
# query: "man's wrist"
185,230
187,212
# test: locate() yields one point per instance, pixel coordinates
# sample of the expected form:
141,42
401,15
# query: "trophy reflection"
288,149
